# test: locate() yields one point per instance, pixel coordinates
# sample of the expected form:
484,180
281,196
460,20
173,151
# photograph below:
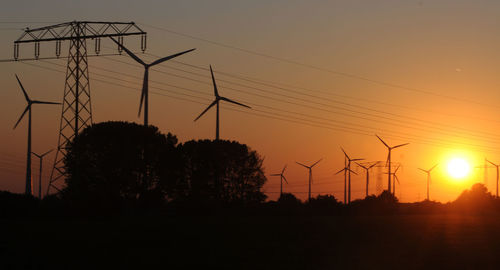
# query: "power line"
344,74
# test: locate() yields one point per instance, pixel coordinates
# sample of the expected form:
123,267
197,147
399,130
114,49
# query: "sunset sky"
319,75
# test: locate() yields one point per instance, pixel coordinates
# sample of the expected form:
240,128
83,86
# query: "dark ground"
253,242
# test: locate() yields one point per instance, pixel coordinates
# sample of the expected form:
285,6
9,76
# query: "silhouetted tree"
223,171
116,162
288,199
477,200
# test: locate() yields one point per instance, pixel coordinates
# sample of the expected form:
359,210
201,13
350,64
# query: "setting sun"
458,168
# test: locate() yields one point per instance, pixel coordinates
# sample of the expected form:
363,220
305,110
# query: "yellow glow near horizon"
458,168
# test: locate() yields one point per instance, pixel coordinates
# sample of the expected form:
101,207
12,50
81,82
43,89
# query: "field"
254,242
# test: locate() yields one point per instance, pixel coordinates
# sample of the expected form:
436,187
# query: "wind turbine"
145,91
282,177
345,170
28,187
367,169
496,165
389,148
349,172
310,174
216,102
40,175
428,177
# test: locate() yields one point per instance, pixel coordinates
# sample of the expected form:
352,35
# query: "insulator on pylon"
58,48
37,49
120,40
16,51
97,45
143,42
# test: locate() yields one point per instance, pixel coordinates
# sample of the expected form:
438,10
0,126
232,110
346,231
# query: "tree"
223,171
477,199
115,162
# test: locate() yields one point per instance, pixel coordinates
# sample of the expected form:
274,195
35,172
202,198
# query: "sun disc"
458,168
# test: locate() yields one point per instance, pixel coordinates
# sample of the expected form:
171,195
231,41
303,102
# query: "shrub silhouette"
476,200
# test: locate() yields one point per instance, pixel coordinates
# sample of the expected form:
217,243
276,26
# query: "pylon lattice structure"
77,108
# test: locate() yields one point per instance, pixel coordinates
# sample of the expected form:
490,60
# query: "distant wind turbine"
282,177
310,174
367,169
40,175
145,91
28,188
345,170
216,102
428,177
349,173
389,160
496,166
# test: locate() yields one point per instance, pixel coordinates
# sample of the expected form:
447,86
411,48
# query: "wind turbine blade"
347,156
208,108
361,166
131,54
284,178
216,93
422,169
232,101
352,171
357,159
316,163
382,141
373,165
302,164
22,88
276,174
400,145
397,169
47,152
397,179
45,102
284,168
144,88
22,115
38,156
169,57
433,167
340,171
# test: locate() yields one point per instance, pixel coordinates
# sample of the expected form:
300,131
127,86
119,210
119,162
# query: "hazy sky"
424,72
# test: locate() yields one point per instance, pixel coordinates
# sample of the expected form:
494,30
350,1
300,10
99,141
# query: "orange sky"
443,55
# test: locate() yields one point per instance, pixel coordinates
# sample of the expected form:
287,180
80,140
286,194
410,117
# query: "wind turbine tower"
389,148
428,172
216,102
310,175
496,166
349,173
345,170
28,187
282,178
367,170
40,157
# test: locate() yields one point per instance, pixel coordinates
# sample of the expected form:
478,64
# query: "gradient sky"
423,72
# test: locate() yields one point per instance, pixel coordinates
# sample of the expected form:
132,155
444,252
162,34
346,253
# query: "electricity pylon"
76,110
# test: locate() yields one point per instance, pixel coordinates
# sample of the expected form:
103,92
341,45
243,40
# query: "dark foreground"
290,242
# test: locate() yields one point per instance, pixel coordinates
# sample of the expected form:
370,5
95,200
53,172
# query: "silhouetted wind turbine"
40,175
496,166
28,187
428,177
145,91
349,173
310,174
389,160
216,102
367,169
345,170
282,177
